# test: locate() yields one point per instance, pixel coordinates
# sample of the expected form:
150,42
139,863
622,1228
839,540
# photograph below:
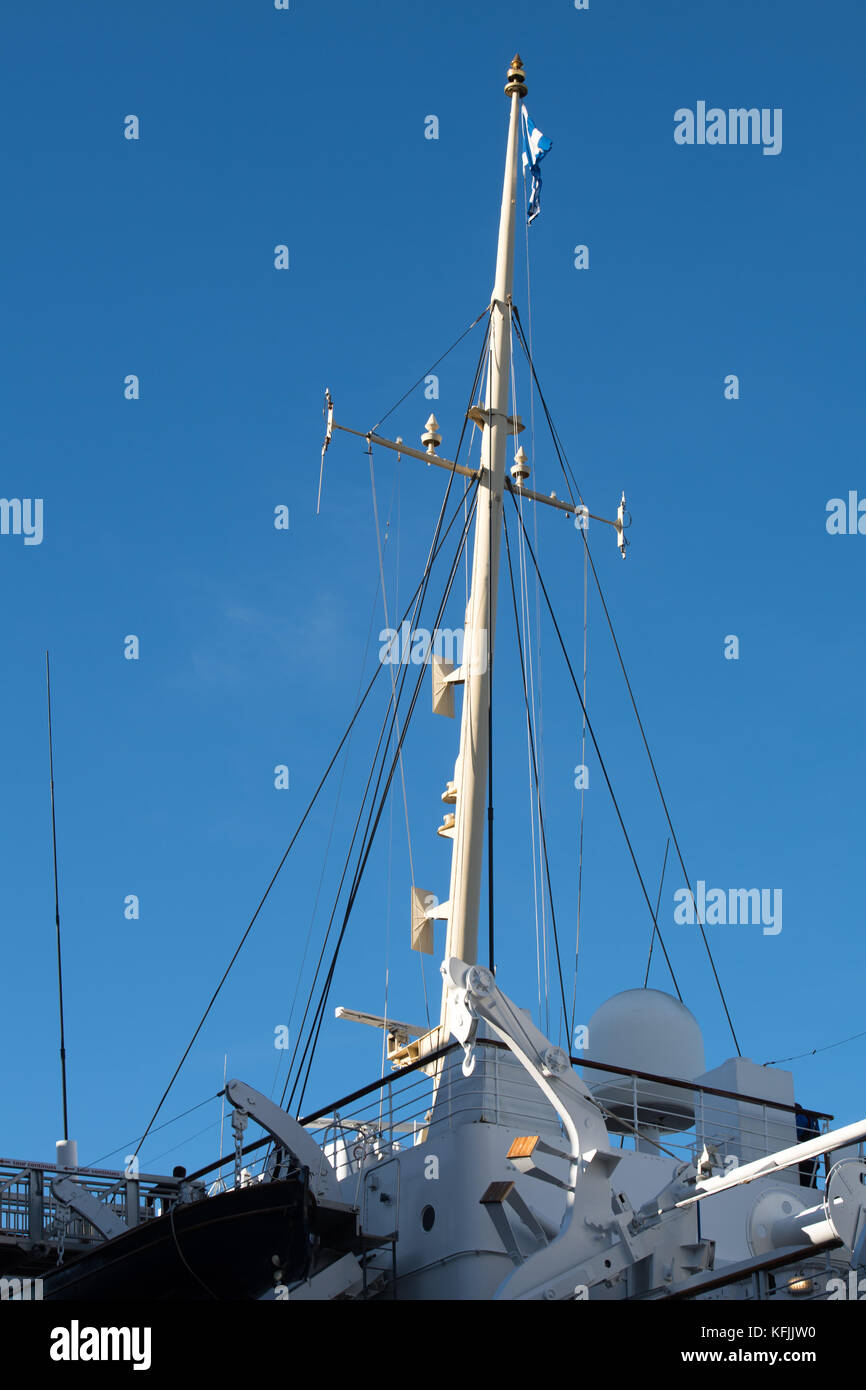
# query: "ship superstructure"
490,1163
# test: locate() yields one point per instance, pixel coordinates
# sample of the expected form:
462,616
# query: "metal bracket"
71,1194
287,1132
473,995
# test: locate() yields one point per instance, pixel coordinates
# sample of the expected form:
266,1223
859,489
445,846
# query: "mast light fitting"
520,467
516,78
431,438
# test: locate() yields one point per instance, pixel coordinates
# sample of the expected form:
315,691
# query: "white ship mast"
466,827
533,1200
472,762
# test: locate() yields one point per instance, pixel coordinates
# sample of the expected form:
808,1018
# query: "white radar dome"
650,1031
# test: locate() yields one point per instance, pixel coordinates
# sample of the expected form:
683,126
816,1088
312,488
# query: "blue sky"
156,257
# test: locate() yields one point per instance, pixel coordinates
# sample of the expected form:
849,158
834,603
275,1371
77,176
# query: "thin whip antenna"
223,1113
56,902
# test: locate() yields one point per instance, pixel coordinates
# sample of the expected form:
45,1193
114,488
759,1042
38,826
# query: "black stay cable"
535,774
567,470
601,762
424,375
557,443
396,697
662,799
491,943
388,723
435,551
369,836
658,905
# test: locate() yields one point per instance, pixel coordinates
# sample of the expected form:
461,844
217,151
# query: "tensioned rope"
367,844
540,951
598,754
424,375
658,905
394,697
316,1026
566,469
281,1053
542,962
124,1148
535,771
384,740
436,547
814,1050
582,795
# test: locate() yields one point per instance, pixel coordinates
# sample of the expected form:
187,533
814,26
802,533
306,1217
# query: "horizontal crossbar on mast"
553,501
398,446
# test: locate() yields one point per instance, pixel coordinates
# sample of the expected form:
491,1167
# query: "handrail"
378,1084
693,1086
24,1165
344,1100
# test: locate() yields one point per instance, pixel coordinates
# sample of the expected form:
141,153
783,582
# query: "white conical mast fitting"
472,763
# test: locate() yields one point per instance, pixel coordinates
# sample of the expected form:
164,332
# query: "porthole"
428,1216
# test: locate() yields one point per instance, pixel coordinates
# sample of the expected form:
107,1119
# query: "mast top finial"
516,78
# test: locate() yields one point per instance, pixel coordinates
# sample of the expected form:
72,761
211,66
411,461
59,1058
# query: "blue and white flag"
535,147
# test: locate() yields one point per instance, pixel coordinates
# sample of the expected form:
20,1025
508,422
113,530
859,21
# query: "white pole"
774,1163
472,764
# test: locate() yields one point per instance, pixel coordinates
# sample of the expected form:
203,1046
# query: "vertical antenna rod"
56,903
472,763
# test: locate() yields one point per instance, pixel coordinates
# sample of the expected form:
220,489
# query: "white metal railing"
397,1113
29,1210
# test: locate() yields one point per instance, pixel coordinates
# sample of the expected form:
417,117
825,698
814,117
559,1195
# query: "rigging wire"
388,890
384,738
513,309
424,375
491,954
535,770
665,805
658,904
814,1050
490,941
538,662
489,350
567,470
327,854
542,971
210,1293
542,951
121,1148
541,947
596,747
532,844
434,552
394,697
181,1143
316,1027
582,795
366,848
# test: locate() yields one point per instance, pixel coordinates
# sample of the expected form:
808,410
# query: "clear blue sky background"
155,257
